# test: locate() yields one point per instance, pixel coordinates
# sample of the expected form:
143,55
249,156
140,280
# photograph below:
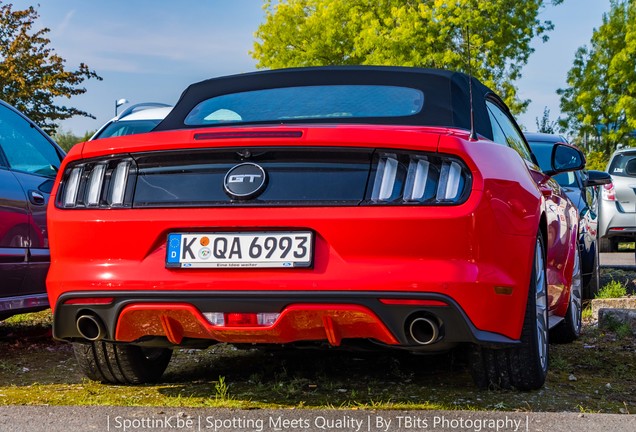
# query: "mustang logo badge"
245,181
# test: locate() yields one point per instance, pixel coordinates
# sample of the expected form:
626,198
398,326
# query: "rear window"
308,103
623,165
128,127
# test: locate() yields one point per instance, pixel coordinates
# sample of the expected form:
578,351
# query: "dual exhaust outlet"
90,327
423,330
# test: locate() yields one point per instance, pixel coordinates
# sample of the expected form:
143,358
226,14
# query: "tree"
596,160
600,100
67,140
424,33
545,125
32,75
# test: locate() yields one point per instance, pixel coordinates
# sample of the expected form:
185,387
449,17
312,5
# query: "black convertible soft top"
446,93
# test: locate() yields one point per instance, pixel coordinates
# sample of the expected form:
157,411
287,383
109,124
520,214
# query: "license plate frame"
240,249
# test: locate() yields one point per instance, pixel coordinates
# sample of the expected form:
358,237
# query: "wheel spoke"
575,294
541,307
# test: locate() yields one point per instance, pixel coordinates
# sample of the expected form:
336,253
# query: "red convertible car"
341,206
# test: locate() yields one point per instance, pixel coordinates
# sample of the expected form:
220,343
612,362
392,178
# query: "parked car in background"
618,201
29,161
352,207
582,188
135,119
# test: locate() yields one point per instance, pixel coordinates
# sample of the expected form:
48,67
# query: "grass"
621,329
559,363
613,289
41,319
625,276
222,390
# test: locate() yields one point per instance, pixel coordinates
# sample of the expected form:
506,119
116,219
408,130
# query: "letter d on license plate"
240,250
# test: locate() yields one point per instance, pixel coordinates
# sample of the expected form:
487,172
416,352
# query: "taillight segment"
608,193
418,178
101,184
315,176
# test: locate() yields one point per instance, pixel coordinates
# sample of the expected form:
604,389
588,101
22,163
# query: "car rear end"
329,206
350,240
617,220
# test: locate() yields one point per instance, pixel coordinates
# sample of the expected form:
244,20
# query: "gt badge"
245,181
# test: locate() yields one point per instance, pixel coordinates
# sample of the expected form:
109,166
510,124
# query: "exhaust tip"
90,327
423,331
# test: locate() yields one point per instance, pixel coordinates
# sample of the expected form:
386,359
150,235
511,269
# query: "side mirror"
597,178
566,158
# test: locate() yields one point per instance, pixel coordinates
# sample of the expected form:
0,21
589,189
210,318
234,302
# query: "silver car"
139,118
617,210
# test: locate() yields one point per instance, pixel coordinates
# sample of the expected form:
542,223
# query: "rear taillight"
608,193
419,178
97,184
119,179
70,191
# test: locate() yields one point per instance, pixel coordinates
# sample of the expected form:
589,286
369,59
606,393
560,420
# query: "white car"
617,210
135,119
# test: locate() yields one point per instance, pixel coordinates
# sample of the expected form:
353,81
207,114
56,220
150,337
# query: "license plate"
240,250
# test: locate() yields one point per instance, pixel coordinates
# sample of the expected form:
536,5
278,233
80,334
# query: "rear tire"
111,363
524,366
594,284
570,328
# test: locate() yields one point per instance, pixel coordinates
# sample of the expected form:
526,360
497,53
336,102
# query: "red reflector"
617,229
89,300
413,302
240,319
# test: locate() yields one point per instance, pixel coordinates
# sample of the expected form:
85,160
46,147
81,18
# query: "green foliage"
67,140
545,125
406,33
596,160
600,99
32,76
559,363
41,319
613,289
222,390
623,331
615,325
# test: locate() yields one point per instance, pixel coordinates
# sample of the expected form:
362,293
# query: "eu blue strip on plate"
174,248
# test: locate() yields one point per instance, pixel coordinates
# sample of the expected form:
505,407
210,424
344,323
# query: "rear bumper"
464,253
176,318
613,222
10,306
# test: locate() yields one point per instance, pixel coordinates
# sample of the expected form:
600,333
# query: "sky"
151,50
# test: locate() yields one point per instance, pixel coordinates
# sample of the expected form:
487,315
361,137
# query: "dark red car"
345,206
29,161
